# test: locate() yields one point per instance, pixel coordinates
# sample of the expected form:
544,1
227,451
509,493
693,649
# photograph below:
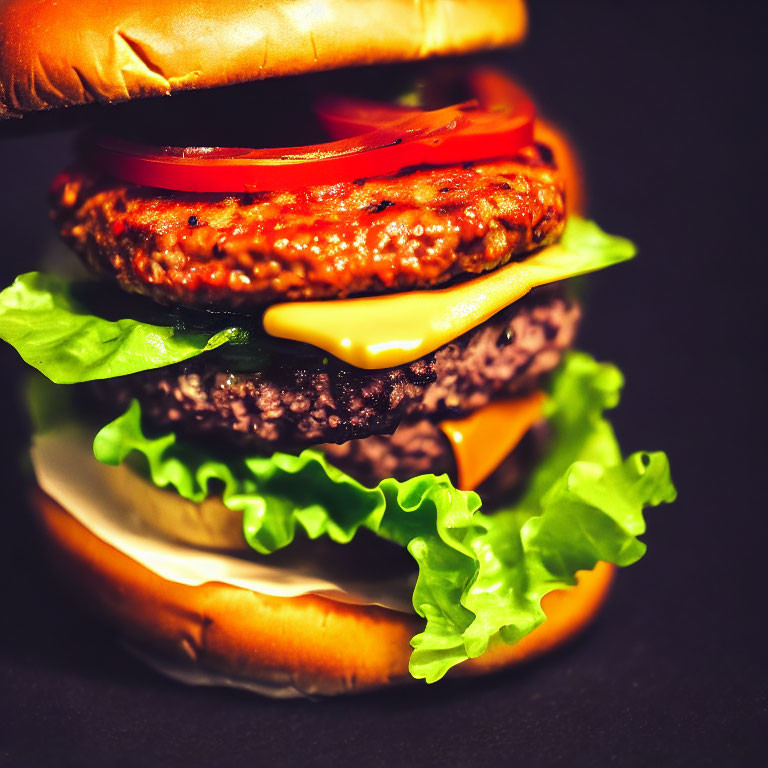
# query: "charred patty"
292,402
416,229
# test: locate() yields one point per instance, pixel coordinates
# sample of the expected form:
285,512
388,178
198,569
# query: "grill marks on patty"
327,401
417,229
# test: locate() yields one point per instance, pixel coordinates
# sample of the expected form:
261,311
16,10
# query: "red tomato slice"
499,104
372,139
343,117
496,92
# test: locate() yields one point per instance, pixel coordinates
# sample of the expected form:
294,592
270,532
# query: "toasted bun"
287,646
208,524
74,52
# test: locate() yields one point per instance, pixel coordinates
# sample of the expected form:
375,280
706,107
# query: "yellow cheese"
384,331
482,440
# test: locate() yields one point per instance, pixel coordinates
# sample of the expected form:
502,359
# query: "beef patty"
297,401
416,229
420,447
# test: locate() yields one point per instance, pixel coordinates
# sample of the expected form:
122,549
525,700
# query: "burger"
306,416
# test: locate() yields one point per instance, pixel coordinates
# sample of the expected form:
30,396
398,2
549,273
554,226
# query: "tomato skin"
497,97
497,92
370,139
342,118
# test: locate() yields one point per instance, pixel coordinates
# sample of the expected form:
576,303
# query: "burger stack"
315,425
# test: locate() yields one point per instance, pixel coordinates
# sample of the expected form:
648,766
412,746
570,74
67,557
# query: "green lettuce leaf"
481,576
595,248
53,332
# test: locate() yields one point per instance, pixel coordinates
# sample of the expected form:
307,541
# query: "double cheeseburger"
308,421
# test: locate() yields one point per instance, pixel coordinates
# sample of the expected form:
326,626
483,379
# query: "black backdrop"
665,101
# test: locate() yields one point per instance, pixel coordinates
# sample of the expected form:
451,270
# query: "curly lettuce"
481,577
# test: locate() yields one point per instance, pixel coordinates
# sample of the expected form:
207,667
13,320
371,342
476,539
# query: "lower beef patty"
327,401
416,229
420,447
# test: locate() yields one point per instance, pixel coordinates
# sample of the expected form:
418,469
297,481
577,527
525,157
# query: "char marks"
413,230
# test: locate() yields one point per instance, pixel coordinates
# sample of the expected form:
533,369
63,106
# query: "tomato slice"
344,117
496,92
371,139
499,105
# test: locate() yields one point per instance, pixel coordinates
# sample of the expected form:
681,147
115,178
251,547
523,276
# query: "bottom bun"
306,645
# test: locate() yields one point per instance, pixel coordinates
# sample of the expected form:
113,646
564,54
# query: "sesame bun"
309,645
72,52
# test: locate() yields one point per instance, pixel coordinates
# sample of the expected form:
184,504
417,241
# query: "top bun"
74,52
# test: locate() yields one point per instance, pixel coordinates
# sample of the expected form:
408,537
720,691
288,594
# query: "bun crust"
209,524
308,644
73,52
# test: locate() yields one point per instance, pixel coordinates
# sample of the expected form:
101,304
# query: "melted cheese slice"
482,440
384,331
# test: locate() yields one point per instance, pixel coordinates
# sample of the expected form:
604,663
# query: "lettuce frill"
480,576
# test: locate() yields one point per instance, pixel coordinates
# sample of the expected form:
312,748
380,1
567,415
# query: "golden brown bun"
310,644
208,524
55,54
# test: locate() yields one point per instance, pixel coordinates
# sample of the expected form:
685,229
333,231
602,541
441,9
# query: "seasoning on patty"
416,229
294,402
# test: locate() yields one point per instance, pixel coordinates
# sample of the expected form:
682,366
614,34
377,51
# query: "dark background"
665,101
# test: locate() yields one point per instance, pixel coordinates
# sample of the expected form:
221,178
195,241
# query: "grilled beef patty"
420,447
298,401
417,229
